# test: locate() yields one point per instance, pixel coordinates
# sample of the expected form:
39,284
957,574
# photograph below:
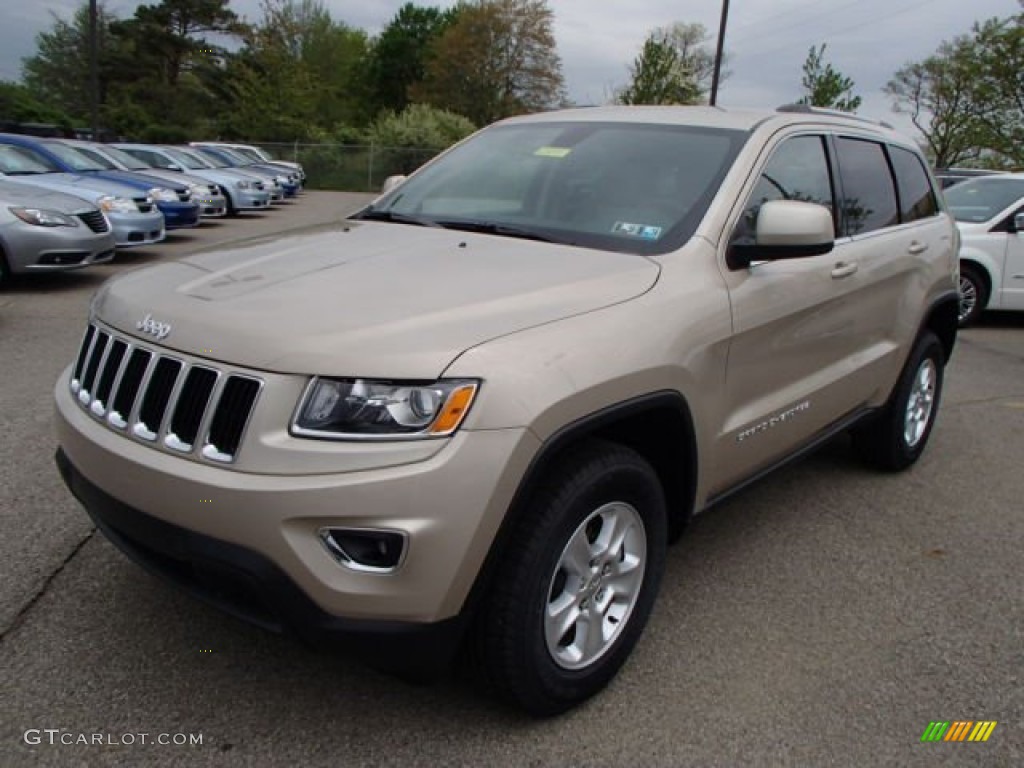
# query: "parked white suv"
990,215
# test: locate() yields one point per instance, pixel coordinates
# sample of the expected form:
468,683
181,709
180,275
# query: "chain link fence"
349,167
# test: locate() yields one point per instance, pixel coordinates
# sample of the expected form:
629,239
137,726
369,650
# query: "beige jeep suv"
472,416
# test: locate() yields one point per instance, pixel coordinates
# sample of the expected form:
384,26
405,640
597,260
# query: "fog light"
365,549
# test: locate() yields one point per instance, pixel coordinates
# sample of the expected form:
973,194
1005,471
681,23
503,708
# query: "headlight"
243,184
43,218
112,204
163,195
359,409
282,180
199,190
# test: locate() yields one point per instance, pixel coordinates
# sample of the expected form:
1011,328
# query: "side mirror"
175,167
390,183
1018,223
786,229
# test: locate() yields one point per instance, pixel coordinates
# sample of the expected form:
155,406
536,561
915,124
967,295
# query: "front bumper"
212,206
449,504
249,586
30,248
252,200
132,229
179,215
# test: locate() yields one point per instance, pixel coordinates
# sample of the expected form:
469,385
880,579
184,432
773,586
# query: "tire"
973,295
896,438
232,210
591,547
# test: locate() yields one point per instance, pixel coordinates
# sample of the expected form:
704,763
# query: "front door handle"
843,269
916,247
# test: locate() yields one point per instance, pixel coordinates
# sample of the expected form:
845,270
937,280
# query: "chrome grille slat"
99,348
155,403
110,368
191,403
188,409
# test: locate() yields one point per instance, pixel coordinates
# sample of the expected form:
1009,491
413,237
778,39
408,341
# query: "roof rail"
808,109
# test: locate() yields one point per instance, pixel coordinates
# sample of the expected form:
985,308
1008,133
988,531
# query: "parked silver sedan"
134,218
42,230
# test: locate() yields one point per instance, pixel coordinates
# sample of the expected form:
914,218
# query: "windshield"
72,158
96,157
209,157
979,200
189,160
251,155
130,162
635,188
20,161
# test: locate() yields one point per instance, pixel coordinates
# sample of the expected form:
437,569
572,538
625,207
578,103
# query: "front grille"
143,205
160,399
95,220
184,196
258,185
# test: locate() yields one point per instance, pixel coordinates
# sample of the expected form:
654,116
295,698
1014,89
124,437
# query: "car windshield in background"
130,162
97,157
614,186
979,200
251,155
73,158
209,157
189,160
18,161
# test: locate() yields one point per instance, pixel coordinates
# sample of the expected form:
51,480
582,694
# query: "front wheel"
896,437
578,581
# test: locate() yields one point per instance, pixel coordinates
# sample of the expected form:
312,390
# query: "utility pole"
718,53
94,74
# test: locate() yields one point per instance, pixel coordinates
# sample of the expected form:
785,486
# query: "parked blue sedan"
174,201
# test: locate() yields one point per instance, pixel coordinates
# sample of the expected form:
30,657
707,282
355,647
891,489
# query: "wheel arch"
658,426
942,319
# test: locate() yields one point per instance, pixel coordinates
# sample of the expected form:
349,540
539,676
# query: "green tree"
824,86
936,95
58,73
20,104
497,59
995,61
299,75
399,55
673,67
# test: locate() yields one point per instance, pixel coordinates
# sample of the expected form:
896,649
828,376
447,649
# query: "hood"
140,180
366,299
14,193
85,186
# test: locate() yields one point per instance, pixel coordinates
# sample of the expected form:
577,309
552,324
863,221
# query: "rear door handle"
916,247
843,269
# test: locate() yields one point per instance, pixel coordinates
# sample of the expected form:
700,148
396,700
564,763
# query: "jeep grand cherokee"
473,415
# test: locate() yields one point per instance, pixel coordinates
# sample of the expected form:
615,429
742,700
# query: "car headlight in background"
163,195
243,184
199,190
357,409
43,218
111,204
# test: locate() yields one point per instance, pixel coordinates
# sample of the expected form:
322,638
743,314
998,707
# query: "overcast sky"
767,40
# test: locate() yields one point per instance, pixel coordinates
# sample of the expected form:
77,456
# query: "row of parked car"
67,204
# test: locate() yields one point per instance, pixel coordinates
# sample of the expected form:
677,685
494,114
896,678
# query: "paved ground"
824,616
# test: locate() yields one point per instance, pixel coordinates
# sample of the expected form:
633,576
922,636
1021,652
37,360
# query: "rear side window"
869,194
917,199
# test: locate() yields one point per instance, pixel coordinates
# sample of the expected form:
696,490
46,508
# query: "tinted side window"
797,170
869,195
917,200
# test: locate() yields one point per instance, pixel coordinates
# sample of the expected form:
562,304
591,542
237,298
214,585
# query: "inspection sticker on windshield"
553,152
643,231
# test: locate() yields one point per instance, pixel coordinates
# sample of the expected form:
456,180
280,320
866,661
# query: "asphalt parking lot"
824,616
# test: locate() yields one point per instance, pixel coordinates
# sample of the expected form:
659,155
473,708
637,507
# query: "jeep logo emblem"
154,327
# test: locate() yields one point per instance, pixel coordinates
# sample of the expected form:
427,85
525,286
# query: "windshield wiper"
371,214
503,230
